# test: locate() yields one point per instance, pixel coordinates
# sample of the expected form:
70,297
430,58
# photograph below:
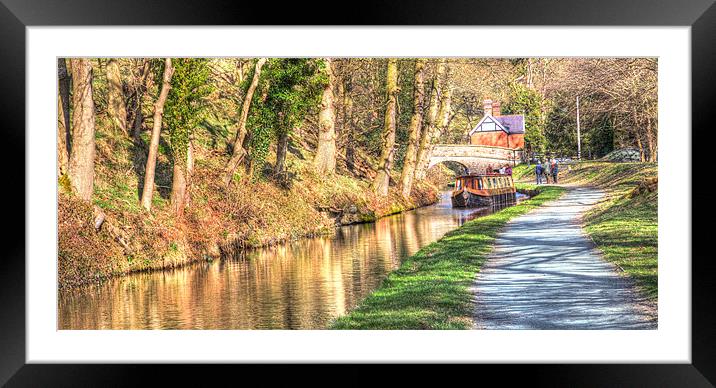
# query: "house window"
488,127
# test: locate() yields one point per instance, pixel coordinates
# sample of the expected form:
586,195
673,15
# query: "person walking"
538,172
547,171
555,170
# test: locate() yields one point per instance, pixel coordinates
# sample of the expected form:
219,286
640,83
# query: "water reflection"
301,285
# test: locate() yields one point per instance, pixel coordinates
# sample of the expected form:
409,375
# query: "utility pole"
579,135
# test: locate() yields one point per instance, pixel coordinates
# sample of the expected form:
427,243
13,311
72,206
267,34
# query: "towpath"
545,273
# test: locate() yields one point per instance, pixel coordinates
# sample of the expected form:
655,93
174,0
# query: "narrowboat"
488,190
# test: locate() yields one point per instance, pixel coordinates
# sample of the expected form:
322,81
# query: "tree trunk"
281,148
636,130
189,172
63,119
62,155
348,125
641,147
115,97
81,163
238,153
141,88
530,81
445,101
382,178
429,130
240,67
178,196
416,120
651,140
156,131
339,97
325,160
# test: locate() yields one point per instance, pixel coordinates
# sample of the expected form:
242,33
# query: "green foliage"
528,102
599,140
561,130
288,89
185,106
63,182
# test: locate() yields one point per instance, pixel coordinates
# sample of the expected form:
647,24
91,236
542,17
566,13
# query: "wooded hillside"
162,161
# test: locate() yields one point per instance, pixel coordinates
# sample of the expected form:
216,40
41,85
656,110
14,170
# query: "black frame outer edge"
16,14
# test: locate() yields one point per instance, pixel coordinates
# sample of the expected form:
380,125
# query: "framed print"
432,185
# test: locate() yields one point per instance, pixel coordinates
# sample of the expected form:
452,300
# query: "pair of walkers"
549,169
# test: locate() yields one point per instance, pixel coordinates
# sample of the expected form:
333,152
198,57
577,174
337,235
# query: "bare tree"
81,162
116,107
416,120
622,90
238,152
443,119
140,86
63,119
382,178
429,132
156,132
179,185
325,160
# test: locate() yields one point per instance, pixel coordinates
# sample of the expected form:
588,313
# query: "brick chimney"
496,108
487,106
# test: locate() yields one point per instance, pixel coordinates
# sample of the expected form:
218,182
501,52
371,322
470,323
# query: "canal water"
298,285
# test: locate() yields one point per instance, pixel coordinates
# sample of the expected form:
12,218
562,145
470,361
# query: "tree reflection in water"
299,285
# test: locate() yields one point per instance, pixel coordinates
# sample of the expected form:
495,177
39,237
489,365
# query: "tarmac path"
545,273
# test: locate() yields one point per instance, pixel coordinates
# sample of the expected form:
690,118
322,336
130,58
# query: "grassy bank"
625,229
430,290
218,220
624,225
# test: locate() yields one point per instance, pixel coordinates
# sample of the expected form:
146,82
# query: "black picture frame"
16,15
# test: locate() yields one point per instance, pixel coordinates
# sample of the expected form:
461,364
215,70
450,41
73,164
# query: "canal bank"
302,284
432,289
221,220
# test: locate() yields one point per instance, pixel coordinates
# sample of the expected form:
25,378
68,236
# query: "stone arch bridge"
475,158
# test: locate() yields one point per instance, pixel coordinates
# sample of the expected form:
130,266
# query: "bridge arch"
457,166
475,158
449,162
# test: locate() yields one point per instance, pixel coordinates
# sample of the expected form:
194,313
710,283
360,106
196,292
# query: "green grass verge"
624,225
431,289
625,229
523,172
